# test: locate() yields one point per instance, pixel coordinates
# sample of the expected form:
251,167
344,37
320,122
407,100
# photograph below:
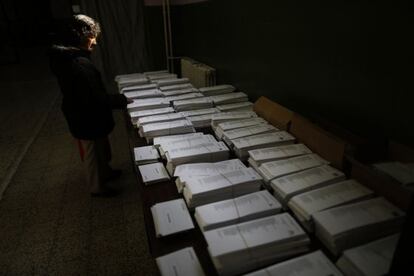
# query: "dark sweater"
86,105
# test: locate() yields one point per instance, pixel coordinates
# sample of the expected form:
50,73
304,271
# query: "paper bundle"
231,116
145,155
229,98
165,139
186,96
196,141
172,81
217,89
153,173
199,112
240,123
159,118
143,113
148,86
230,135
143,104
171,93
144,94
192,104
176,87
166,128
180,263
161,76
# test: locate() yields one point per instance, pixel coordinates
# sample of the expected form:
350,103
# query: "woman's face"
89,43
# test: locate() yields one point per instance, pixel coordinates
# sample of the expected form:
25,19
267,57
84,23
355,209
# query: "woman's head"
84,31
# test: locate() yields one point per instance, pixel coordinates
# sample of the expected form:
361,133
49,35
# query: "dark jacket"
85,104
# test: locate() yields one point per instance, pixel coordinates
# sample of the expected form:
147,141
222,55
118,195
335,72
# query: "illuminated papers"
217,89
136,79
143,104
235,97
199,170
262,155
231,116
128,76
148,86
171,93
197,103
212,152
243,106
290,185
246,246
153,77
176,87
199,112
165,139
159,118
370,259
399,171
150,73
244,144
167,128
171,217
172,81
186,96
309,203
351,225
312,264
225,126
200,191
143,113
244,208
183,262
143,94
153,173
273,169
145,155
202,121
186,143
229,135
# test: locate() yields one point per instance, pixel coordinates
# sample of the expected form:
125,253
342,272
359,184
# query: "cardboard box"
276,114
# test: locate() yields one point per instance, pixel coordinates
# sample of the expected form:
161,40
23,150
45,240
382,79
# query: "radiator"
199,74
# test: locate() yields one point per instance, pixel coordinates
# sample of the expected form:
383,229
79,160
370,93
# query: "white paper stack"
172,81
243,106
161,76
171,217
246,246
131,80
213,152
166,128
186,96
240,209
153,173
243,145
230,135
312,264
274,169
286,187
371,259
399,171
127,76
196,141
176,87
199,112
150,73
144,94
231,116
146,155
159,118
200,191
226,126
351,225
202,121
309,203
260,156
200,170
171,93
192,104
165,139
183,262
144,104
148,86
143,113
229,98
217,89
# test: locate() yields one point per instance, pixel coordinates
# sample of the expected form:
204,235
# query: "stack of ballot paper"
351,225
144,94
153,77
200,191
260,156
170,81
166,128
274,169
231,116
200,170
229,98
249,245
171,217
370,259
143,104
225,126
150,73
186,96
212,152
192,104
202,121
230,135
401,172
312,264
217,89
146,155
165,139
240,209
189,142
243,145
126,76
286,187
159,118
132,80
153,173
305,205
148,86
177,87
143,113
199,112
180,263
170,93
243,106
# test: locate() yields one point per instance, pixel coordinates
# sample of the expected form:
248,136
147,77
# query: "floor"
49,223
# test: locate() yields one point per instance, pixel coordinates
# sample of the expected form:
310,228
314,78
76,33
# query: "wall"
347,61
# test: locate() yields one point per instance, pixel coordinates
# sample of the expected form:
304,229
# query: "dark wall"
346,61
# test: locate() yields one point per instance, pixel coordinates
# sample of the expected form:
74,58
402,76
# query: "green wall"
346,61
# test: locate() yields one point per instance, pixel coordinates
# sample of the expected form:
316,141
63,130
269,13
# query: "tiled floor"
49,224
